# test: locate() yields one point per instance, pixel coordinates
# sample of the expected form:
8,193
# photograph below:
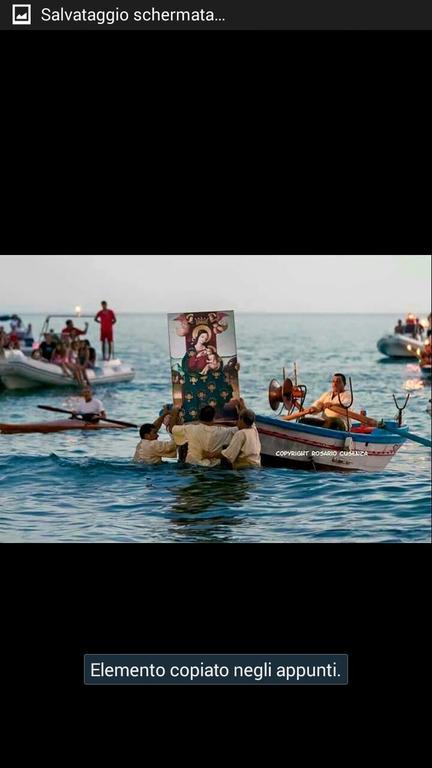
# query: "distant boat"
20,372
399,345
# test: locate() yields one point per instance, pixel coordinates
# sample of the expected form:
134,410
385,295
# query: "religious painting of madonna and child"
204,365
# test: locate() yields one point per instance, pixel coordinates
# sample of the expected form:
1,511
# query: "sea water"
84,487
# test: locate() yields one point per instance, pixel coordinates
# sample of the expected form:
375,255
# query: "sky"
267,283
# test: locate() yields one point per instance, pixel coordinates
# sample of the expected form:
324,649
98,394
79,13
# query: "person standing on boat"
89,407
150,450
336,396
107,319
399,327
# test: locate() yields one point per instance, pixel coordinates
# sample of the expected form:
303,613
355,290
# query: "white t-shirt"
93,406
244,449
327,396
202,437
151,451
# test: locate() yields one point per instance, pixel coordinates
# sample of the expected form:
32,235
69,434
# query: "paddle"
71,413
297,415
381,425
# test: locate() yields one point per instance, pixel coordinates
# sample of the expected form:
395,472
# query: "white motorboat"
399,345
17,371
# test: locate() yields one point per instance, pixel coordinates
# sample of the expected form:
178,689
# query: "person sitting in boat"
60,357
399,328
89,407
150,450
70,332
14,342
426,353
46,348
83,362
91,362
202,436
244,449
336,396
4,340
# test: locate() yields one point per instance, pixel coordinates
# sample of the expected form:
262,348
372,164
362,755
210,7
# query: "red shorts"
106,335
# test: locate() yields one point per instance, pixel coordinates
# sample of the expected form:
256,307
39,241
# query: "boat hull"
398,345
59,425
20,372
303,446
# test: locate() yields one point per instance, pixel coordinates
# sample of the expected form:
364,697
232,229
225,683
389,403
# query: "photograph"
215,398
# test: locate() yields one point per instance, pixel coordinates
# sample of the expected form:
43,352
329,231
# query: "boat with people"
406,340
21,371
398,345
306,446
19,336
298,441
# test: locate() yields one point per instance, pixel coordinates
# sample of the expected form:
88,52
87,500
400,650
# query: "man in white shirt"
203,437
150,450
244,449
337,395
89,407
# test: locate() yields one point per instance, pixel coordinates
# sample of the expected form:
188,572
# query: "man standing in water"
202,437
106,318
150,450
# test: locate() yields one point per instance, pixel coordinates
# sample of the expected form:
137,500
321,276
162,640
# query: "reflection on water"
210,499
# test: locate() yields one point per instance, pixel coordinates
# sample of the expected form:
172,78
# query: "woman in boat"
82,363
60,357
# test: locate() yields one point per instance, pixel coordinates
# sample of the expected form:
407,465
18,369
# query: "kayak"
59,425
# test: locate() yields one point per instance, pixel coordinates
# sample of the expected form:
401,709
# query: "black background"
248,143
